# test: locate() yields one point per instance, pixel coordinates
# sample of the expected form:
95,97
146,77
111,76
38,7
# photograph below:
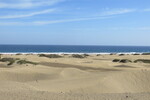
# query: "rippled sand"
67,78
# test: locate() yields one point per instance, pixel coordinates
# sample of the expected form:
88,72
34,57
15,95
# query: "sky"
75,22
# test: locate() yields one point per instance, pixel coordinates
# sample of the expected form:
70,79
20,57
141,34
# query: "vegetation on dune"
6,59
98,54
86,55
79,56
125,61
26,62
0,56
142,60
121,54
65,54
18,54
10,60
145,53
116,60
50,56
136,54
112,54
122,60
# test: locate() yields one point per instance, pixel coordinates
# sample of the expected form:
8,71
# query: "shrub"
112,53
98,54
50,56
10,60
136,54
86,55
18,54
0,56
122,60
78,56
145,53
142,60
25,62
116,60
121,54
65,54
125,61
6,59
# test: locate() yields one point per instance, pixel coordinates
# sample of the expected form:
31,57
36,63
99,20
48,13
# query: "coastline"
73,53
71,49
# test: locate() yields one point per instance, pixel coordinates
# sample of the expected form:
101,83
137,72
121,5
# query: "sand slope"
92,78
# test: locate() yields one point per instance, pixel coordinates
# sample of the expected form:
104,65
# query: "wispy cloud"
67,20
27,15
12,23
104,15
25,4
146,10
130,28
51,21
117,12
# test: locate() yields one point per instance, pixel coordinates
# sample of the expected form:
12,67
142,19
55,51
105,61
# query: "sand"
67,78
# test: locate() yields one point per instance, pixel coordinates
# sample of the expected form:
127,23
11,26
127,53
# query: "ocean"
72,49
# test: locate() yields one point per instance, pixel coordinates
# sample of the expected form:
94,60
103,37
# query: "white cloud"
147,10
104,15
130,28
67,20
117,12
27,15
25,4
12,23
51,21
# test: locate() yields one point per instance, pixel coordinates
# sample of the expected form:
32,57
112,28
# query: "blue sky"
75,22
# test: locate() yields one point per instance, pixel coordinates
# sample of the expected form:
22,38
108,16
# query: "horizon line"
70,45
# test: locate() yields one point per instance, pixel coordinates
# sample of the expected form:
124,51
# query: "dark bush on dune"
78,56
6,59
112,53
25,62
65,54
116,60
98,54
142,60
125,61
50,56
86,55
122,60
136,54
145,53
18,54
121,54
0,56
13,60
10,60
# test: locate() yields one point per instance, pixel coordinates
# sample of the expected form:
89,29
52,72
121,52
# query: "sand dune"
73,79
61,65
127,82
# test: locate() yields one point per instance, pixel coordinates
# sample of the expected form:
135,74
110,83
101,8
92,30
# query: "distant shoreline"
74,53
28,49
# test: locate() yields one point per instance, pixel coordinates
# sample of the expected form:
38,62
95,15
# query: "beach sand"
67,78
